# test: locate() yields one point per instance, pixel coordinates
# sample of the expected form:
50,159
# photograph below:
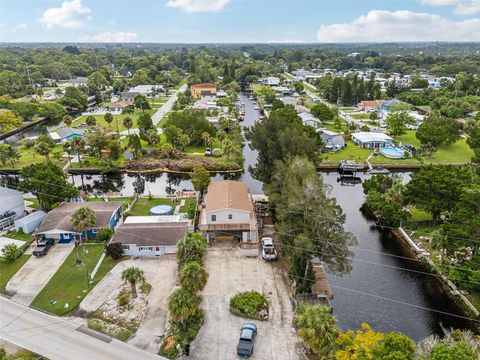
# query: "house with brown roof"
227,212
153,238
204,89
57,224
370,105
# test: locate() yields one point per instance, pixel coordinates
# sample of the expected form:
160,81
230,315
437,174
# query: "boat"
379,170
350,165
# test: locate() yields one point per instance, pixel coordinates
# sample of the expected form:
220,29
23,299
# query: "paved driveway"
161,273
25,285
229,273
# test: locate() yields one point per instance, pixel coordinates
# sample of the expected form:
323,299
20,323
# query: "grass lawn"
188,202
35,204
29,157
18,236
332,127
360,116
89,162
143,205
69,284
116,119
8,270
351,152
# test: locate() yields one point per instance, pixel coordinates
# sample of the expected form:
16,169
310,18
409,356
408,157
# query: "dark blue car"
248,332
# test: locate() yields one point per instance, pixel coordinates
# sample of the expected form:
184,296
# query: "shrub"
10,253
145,288
192,276
249,304
104,235
123,298
114,250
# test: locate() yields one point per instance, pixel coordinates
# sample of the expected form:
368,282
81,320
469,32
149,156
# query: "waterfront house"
333,141
65,134
57,224
203,89
227,212
371,140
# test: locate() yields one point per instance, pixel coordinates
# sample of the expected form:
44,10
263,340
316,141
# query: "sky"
237,21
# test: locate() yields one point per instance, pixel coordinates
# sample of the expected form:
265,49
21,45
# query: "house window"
95,230
157,248
230,216
126,247
214,217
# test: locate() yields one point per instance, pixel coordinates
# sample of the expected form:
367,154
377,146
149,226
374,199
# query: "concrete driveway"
161,273
229,274
25,285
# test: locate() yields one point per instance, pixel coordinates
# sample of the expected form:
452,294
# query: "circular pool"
161,210
392,152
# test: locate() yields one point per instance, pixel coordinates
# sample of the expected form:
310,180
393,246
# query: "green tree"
206,137
47,181
52,110
437,130
397,122
83,219
97,139
91,121
9,121
133,275
200,178
104,235
322,112
9,153
318,329
191,248
141,102
78,145
108,117
11,252
128,123
44,146
459,350
395,346
67,120
192,276
183,304
144,124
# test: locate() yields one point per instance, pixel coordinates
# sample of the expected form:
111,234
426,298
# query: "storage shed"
31,222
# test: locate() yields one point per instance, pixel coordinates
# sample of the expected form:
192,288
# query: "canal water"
376,277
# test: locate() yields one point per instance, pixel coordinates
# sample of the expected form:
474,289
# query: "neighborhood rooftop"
151,234
227,194
59,218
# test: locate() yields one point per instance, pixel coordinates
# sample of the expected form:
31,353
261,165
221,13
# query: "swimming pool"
392,152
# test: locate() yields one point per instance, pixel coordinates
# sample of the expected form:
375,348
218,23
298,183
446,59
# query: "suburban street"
167,106
58,338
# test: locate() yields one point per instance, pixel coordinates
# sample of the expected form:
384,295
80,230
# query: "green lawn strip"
18,235
69,283
188,202
35,204
360,116
8,270
89,162
28,156
116,119
143,205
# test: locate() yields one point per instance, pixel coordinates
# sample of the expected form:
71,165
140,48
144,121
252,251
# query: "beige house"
228,213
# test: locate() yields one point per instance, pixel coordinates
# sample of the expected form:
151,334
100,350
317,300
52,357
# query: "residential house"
371,140
128,96
418,120
12,206
333,141
91,103
370,105
309,119
65,134
270,81
228,213
149,238
119,106
387,106
147,90
203,89
57,224
76,82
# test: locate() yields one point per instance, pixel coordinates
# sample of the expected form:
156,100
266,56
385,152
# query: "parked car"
208,152
248,332
43,246
268,249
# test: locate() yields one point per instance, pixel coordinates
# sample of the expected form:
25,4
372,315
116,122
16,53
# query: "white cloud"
121,37
112,22
462,7
72,14
401,25
198,5
19,26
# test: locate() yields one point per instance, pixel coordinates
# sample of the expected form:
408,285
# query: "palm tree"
91,121
128,123
78,145
43,148
108,117
206,138
14,155
67,120
182,304
227,146
192,247
133,275
193,276
83,219
318,328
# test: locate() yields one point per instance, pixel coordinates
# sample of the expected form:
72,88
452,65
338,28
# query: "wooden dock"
321,286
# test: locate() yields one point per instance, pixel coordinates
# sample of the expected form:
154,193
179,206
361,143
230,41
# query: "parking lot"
229,274
25,285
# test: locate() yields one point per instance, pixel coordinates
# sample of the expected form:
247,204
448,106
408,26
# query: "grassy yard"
188,202
143,205
351,152
18,235
8,270
29,157
360,116
116,119
69,284
35,204
89,162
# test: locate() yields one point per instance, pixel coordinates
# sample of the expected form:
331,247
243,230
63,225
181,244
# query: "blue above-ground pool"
161,210
392,152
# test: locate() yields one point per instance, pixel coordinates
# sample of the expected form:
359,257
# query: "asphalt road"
167,106
57,338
